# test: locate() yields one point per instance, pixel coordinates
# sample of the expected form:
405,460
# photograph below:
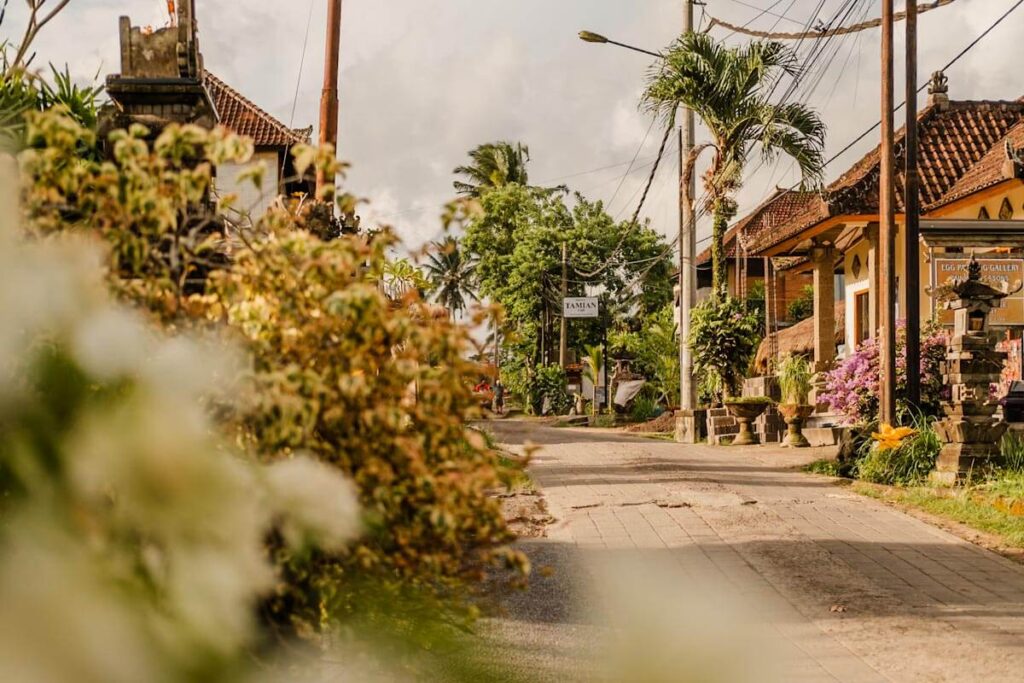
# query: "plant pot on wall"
745,412
795,415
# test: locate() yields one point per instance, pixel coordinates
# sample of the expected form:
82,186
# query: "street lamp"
591,37
687,430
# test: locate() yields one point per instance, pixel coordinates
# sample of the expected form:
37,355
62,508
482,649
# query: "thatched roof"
798,339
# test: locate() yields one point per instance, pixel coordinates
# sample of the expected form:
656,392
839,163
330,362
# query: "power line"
822,31
302,64
780,16
626,174
949,64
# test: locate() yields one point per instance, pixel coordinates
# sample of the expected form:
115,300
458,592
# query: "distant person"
482,387
499,398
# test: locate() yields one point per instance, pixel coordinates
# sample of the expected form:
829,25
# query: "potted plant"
795,381
746,410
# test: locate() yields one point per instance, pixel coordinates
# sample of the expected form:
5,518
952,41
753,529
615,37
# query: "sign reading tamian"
998,271
581,307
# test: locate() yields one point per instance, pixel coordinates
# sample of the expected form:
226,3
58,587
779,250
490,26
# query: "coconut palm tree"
729,89
494,164
452,274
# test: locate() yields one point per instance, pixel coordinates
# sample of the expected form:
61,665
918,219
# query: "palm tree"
452,274
730,89
494,164
592,372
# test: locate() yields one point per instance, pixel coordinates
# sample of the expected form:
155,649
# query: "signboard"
581,307
996,270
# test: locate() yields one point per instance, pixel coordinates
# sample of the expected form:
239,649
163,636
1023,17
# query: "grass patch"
829,468
996,507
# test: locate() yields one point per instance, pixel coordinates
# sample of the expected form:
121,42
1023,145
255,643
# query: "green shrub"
802,307
335,369
724,336
551,384
907,465
1013,452
644,408
796,377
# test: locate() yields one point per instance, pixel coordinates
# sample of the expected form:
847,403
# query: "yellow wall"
967,211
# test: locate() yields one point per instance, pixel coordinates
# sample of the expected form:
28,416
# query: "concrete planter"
795,415
745,414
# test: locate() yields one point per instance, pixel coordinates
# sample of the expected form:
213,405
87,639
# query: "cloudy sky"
423,81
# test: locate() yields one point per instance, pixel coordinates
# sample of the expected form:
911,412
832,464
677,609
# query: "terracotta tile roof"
243,117
959,148
778,209
760,226
986,173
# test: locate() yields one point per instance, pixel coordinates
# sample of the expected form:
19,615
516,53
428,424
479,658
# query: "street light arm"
590,37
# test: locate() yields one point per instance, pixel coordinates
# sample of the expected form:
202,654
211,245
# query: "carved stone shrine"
970,431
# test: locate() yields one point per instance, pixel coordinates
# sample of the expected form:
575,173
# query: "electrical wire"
819,32
302,64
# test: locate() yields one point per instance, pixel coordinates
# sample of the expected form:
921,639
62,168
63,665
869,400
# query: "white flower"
315,501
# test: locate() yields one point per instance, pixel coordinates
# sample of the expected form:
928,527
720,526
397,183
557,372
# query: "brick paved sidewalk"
851,589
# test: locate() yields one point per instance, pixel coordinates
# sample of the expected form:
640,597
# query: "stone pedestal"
691,426
970,431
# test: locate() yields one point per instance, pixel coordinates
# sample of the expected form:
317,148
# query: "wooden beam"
887,227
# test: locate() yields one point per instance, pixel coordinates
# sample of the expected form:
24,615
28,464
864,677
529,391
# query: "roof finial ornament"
938,89
974,269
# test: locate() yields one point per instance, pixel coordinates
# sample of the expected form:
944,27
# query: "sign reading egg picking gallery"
1001,272
580,307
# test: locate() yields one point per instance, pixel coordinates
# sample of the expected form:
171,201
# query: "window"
861,317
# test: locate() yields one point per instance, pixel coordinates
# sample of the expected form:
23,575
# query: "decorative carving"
983,215
939,84
1006,210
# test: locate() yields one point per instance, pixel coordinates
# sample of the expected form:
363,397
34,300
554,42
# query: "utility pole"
912,228
887,238
329,97
563,344
687,262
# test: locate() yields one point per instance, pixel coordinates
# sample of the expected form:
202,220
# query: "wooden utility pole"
329,97
563,344
912,228
687,248
887,239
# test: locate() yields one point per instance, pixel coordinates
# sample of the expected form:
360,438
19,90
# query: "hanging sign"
581,307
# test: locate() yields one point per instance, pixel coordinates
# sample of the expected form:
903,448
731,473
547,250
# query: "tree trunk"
719,264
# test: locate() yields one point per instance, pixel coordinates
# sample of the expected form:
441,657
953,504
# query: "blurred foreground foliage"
372,387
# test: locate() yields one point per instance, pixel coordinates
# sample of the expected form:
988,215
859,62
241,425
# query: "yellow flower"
889,437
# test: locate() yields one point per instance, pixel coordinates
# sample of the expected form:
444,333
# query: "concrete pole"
912,229
887,238
563,344
687,249
329,105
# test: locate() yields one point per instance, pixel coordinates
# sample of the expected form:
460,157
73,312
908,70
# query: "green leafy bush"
907,465
132,532
796,377
1013,452
372,387
802,307
644,408
551,384
724,336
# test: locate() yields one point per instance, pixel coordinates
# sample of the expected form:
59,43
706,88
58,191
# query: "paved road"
731,561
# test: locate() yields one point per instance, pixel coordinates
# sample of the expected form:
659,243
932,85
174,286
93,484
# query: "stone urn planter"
745,412
795,415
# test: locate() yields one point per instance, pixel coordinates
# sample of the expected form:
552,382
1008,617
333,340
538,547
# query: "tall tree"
730,89
493,165
452,273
